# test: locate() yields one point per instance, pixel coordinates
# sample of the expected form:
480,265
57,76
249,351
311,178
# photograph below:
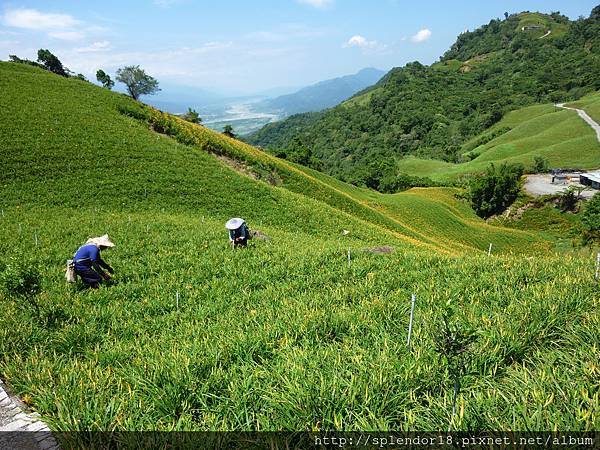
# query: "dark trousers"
89,277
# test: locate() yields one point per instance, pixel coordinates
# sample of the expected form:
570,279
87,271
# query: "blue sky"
241,46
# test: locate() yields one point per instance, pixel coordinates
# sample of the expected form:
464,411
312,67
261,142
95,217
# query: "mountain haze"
324,94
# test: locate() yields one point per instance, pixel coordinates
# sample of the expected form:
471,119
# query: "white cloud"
32,19
66,35
421,36
57,26
360,41
101,46
166,3
317,3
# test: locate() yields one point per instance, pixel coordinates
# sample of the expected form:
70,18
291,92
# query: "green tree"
540,164
104,78
495,190
137,81
591,219
301,154
192,116
228,131
51,62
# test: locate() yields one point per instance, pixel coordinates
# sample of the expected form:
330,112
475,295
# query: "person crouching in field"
238,232
89,264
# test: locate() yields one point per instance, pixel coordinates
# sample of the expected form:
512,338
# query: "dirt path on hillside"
585,117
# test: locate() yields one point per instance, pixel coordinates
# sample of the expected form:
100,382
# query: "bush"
496,189
591,219
20,279
540,165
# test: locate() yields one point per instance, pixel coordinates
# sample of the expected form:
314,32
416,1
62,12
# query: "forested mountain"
430,111
324,94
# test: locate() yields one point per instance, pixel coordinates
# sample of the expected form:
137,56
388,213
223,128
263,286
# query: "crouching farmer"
238,232
89,264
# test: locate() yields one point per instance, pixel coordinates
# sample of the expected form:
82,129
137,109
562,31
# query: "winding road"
585,117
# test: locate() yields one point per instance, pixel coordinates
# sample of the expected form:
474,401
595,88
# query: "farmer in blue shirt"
238,232
89,264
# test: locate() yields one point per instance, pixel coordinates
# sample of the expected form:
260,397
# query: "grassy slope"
283,335
535,130
590,104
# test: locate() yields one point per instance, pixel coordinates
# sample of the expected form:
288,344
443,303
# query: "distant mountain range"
431,112
322,95
249,113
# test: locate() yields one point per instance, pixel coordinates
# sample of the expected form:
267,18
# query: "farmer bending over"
238,232
89,264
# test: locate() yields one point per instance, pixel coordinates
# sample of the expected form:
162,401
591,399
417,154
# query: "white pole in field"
129,220
597,266
2,212
35,238
410,322
177,300
147,228
20,229
490,249
348,257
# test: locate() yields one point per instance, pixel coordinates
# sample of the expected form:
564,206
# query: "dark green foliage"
192,116
228,131
568,200
16,59
81,77
540,164
20,279
137,81
495,190
299,153
591,219
51,62
430,111
105,79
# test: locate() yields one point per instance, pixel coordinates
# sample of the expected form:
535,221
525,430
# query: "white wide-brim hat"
103,241
234,224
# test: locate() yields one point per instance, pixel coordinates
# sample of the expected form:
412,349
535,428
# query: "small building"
591,179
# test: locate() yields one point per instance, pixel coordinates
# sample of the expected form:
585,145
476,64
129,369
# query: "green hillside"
430,112
541,130
191,335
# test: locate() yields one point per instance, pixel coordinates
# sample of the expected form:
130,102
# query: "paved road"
541,184
585,117
20,430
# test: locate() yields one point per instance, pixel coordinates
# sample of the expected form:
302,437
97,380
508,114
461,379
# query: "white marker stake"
20,229
410,322
35,237
597,266
129,220
2,212
147,228
177,300
348,257
490,250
